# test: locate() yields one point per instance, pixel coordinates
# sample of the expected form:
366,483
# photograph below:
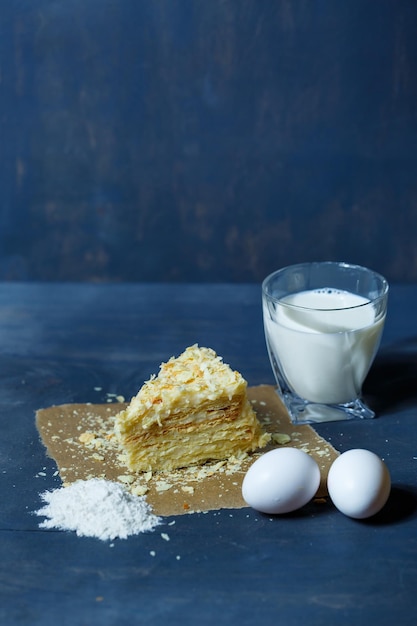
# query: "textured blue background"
194,140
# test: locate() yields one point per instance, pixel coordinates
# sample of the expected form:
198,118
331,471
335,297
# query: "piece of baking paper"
79,437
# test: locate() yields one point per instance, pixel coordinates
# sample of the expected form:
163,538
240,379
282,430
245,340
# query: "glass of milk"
323,325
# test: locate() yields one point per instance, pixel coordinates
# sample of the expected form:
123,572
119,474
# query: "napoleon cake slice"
194,411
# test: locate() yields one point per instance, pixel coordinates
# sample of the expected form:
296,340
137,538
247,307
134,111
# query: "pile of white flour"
97,508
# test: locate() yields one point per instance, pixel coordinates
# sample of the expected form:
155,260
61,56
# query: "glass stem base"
304,412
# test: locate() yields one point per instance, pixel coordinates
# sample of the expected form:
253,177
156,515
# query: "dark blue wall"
206,139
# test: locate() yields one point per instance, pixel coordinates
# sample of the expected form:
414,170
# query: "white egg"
281,481
359,483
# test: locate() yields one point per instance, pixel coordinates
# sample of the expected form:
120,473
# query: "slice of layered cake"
194,411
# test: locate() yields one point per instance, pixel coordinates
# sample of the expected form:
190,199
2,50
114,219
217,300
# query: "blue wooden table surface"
61,342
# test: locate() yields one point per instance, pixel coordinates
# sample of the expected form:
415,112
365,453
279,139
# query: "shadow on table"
392,382
402,503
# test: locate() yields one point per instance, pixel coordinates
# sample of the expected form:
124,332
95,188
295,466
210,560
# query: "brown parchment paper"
79,438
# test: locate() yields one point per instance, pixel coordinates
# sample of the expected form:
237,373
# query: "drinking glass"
323,324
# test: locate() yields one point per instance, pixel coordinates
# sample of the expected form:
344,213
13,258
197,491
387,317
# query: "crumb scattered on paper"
80,438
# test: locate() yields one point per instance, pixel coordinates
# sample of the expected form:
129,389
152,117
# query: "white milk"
324,353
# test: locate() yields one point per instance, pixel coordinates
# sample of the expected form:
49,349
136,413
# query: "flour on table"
97,508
